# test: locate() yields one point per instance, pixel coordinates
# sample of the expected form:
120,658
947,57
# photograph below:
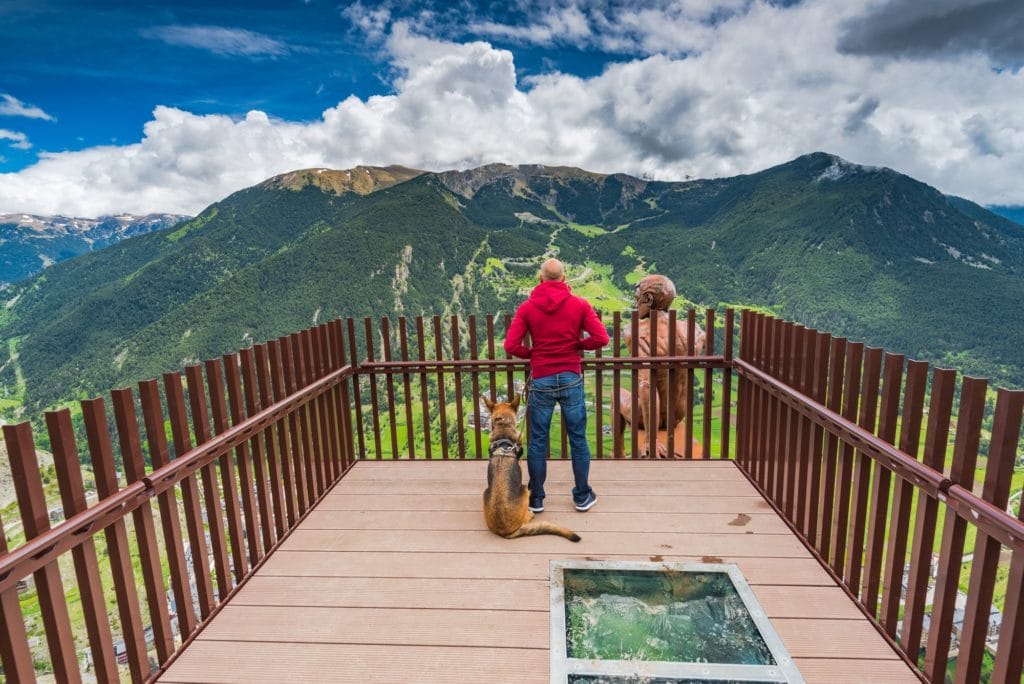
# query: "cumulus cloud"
766,85
219,40
19,141
939,27
12,106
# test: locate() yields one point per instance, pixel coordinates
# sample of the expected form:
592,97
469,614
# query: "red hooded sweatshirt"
554,318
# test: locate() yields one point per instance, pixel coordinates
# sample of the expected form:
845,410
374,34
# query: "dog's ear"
514,403
487,402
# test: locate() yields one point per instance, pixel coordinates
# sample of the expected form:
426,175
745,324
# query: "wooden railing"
271,431
818,419
257,437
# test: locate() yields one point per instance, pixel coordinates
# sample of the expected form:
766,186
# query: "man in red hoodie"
555,319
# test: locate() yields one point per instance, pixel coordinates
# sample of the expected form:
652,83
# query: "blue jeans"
565,389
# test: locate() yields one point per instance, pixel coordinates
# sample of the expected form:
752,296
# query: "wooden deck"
394,578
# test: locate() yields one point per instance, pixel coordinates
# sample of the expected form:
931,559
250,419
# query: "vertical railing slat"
189,494
211,493
421,350
880,484
300,458
836,365
936,438
804,425
344,399
357,395
670,405
389,385
474,353
653,409
862,469
145,530
410,432
156,438
333,422
851,404
457,355
709,394
15,655
1010,651
87,570
306,367
954,530
228,479
998,473
310,457
271,441
281,429
691,341
94,416
371,379
817,391
634,351
727,385
328,437
490,355
903,492
250,521
28,486
618,427
787,460
441,399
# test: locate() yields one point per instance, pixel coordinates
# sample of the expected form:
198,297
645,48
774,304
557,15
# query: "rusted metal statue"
654,295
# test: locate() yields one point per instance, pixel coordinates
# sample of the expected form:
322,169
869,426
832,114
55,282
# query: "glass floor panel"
621,622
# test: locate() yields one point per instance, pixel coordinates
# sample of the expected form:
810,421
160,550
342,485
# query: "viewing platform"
310,509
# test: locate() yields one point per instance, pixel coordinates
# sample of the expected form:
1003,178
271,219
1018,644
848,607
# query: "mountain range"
28,243
859,251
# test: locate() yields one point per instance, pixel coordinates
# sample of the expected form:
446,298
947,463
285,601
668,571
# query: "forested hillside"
858,251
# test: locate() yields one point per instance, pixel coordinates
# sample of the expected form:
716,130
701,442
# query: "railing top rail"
989,518
586,362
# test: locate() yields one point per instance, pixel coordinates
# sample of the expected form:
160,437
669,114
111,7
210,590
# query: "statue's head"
654,292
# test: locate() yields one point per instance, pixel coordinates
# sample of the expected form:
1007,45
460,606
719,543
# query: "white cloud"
373,21
20,140
12,106
760,87
219,40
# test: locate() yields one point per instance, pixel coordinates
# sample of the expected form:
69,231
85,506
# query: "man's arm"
598,336
514,340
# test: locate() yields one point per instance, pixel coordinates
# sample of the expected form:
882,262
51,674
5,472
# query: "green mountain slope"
862,252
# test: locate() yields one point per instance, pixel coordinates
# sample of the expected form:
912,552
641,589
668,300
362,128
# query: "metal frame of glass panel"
637,671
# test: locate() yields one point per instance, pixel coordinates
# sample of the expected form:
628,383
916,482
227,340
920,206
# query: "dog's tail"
535,527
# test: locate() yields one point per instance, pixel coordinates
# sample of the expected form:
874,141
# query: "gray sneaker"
587,503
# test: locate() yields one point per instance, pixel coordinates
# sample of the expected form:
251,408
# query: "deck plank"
483,542
778,571
228,662
553,487
749,504
495,594
393,577
593,521
405,626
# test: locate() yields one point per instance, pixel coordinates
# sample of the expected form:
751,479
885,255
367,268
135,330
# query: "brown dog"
506,499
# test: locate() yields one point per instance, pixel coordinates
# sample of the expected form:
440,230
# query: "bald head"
552,269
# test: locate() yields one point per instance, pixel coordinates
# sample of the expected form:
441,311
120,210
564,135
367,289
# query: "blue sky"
133,106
